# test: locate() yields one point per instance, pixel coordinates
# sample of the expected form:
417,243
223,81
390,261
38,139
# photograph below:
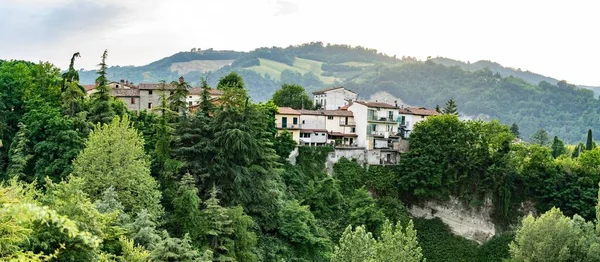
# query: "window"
422,116
402,121
303,122
305,135
149,105
330,117
390,115
353,130
371,115
190,96
295,121
117,86
133,100
284,122
323,134
190,103
149,92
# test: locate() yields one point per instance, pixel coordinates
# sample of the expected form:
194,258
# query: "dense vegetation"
483,89
83,178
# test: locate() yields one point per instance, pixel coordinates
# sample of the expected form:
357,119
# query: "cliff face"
471,224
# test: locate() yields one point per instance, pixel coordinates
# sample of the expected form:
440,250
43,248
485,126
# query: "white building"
318,127
333,98
409,116
195,95
377,131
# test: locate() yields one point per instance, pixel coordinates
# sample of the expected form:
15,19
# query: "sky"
554,38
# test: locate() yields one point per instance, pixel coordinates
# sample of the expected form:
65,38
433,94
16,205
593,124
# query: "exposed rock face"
471,224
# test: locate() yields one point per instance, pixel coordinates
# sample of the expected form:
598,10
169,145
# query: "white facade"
333,98
408,117
338,125
376,124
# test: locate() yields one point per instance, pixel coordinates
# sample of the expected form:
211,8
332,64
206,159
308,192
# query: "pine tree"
450,108
206,106
72,99
514,128
558,147
19,155
186,205
177,99
589,145
143,230
101,110
71,75
176,250
219,227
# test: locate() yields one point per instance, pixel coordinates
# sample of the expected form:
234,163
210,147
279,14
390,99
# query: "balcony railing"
380,119
381,133
343,122
287,125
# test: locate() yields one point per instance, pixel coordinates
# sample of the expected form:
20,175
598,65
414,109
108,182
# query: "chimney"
181,80
122,81
127,82
396,103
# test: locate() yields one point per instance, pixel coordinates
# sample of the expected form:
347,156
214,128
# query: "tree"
558,147
437,109
114,156
177,99
101,110
206,105
540,137
364,211
143,230
579,148
356,245
551,237
244,239
73,98
450,108
294,96
299,227
398,244
175,250
589,145
515,130
71,75
187,218
219,227
284,144
232,79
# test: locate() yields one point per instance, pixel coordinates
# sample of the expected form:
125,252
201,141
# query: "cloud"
285,7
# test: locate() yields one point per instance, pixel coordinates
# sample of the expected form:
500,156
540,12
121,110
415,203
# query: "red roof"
313,130
420,111
89,87
376,104
342,134
287,111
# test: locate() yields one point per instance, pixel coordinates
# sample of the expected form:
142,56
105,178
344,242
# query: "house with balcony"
377,131
333,98
409,116
288,119
320,127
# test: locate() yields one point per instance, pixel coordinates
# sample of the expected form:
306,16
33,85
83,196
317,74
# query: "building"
409,116
333,98
319,127
377,131
150,94
288,119
195,95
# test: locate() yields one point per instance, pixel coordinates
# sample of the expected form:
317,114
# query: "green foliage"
514,129
450,108
187,218
495,249
364,211
231,80
299,227
284,144
589,145
218,228
558,147
291,95
540,137
350,175
356,245
176,250
440,244
177,98
143,231
101,108
114,156
554,237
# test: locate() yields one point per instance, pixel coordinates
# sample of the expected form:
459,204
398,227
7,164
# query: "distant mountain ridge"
482,88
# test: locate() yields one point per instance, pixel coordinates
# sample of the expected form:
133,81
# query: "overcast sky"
555,38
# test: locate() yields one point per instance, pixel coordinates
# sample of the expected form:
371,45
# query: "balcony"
385,134
280,125
381,119
343,122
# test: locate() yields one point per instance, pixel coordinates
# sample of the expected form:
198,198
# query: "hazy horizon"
554,39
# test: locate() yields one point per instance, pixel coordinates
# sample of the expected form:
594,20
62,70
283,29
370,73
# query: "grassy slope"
303,66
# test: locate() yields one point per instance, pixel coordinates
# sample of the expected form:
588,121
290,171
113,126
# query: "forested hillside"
84,179
483,88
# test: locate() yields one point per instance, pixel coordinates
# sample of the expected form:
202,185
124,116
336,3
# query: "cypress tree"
515,130
177,99
206,106
589,145
558,147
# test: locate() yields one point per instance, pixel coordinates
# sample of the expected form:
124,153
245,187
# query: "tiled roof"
420,111
326,112
212,91
376,104
125,92
342,134
322,91
89,87
155,86
287,111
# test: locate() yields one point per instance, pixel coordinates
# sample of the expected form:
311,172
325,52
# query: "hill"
482,89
